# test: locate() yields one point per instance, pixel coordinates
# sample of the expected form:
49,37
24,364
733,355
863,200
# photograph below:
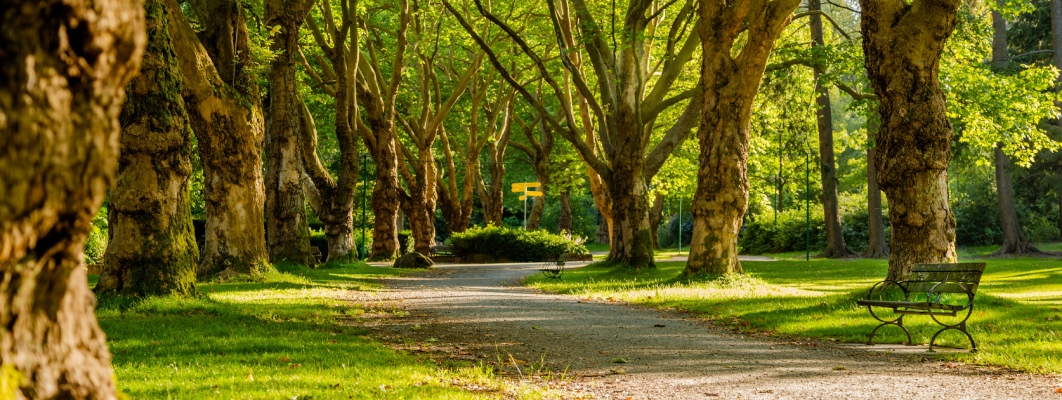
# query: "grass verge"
293,334
1017,319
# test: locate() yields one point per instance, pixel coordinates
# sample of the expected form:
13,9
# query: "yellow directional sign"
534,193
522,198
523,186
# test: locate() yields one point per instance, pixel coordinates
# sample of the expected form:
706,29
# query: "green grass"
1017,319
290,335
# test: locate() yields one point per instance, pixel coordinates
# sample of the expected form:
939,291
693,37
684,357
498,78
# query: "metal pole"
807,207
364,190
525,208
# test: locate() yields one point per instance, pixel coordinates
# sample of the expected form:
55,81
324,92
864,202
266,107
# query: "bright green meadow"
1017,319
290,335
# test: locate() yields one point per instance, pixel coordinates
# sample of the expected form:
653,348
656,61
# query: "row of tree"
606,89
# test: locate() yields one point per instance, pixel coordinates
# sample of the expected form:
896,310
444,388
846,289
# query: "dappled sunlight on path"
475,313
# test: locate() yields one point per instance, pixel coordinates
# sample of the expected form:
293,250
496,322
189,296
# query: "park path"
476,313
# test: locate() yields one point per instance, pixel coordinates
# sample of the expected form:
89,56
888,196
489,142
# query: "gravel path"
474,312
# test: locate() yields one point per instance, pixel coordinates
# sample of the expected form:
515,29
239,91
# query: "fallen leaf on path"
250,375
1059,390
840,368
619,360
658,326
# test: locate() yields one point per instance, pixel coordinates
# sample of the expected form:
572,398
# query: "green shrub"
788,234
514,244
96,244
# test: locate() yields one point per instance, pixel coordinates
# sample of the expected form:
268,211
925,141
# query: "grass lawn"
292,335
1017,319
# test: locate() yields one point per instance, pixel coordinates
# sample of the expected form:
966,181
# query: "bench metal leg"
961,328
898,322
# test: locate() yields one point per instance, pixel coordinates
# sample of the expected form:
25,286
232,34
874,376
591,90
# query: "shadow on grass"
288,336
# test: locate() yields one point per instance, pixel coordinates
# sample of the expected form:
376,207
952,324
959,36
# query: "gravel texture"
612,351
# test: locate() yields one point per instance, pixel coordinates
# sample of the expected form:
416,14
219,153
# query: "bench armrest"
906,294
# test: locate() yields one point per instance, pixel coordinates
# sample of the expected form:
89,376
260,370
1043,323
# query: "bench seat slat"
980,267
921,305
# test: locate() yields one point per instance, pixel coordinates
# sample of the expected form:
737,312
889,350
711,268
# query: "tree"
1014,241
223,109
537,150
877,246
902,44
619,115
60,98
456,203
731,71
152,247
332,197
835,246
423,127
287,230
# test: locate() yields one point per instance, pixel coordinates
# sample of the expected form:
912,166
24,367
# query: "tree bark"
835,246
564,221
729,86
66,63
228,125
422,198
152,248
287,228
603,234
878,246
385,198
902,45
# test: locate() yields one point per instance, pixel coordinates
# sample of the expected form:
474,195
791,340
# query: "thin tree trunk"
65,66
287,228
730,85
656,215
603,232
903,47
835,246
152,248
564,221
1014,242
878,246
538,207
229,130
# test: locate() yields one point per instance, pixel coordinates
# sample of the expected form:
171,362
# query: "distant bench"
554,269
923,294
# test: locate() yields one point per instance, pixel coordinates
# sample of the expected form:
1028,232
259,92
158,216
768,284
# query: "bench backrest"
924,277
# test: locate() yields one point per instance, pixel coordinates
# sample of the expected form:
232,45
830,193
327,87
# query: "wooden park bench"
554,269
935,290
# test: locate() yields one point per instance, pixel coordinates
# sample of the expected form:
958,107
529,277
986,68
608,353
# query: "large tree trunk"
385,200
835,246
61,90
730,85
902,46
152,247
229,129
1014,241
287,229
492,196
878,246
564,221
631,233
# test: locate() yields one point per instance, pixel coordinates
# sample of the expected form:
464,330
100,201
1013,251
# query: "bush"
788,234
514,244
96,245
669,231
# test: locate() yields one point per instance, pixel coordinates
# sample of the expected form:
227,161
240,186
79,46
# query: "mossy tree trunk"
729,86
835,245
66,64
656,215
287,229
152,248
902,44
226,117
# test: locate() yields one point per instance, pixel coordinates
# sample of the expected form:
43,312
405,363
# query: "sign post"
526,188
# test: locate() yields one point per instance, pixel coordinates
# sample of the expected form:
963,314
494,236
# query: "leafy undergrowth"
1017,320
290,334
